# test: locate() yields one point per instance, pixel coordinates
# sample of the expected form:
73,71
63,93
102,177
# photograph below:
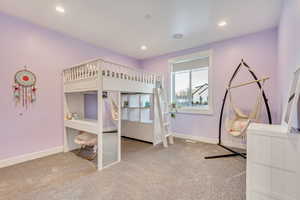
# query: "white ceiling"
121,25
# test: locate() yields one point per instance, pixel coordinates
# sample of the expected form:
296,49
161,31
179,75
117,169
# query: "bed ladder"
163,115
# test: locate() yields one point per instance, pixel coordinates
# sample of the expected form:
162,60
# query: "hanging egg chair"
237,121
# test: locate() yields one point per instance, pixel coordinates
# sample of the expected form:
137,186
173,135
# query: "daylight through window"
190,84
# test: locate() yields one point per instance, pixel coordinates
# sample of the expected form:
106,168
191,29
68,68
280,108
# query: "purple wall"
289,46
91,106
46,53
259,51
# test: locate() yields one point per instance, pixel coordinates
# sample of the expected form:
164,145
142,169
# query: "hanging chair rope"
255,114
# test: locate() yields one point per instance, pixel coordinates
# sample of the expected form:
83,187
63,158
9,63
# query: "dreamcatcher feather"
24,88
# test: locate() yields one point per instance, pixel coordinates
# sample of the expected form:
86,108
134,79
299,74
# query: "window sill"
194,111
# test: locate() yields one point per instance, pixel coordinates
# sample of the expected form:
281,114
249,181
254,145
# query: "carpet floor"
179,172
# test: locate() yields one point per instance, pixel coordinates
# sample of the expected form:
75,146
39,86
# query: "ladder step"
166,124
163,113
169,134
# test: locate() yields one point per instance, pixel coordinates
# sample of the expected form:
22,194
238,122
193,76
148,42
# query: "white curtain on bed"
108,123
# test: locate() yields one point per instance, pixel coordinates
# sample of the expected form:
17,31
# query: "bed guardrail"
90,70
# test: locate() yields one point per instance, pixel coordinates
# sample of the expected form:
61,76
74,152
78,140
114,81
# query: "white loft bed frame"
99,75
113,77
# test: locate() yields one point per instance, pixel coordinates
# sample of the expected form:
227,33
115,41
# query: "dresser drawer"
259,149
284,154
258,178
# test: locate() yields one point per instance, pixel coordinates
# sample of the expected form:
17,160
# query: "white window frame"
190,57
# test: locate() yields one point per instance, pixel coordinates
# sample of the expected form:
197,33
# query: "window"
191,88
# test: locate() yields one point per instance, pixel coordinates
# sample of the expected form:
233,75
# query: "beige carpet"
145,173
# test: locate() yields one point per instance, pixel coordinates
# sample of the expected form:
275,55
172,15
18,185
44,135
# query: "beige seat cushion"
237,127
87,139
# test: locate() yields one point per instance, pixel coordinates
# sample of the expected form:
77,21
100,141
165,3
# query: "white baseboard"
208,140
30,156
196,138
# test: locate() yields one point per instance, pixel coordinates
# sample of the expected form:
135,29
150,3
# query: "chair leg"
93,156
79,151
171,139
95,148
165,141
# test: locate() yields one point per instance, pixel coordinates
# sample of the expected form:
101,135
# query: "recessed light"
222,23
60,9
148,16
178,36
144,47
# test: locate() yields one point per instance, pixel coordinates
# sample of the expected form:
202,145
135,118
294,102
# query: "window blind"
192,64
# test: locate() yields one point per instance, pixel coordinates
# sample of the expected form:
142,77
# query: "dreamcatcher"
24,87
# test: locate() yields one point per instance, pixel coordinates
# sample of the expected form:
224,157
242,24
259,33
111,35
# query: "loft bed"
95,77
108,76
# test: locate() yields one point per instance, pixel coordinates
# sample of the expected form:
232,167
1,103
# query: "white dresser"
273,163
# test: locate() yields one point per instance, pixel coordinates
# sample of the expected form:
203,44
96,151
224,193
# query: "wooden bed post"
100,118
119,124
66,111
